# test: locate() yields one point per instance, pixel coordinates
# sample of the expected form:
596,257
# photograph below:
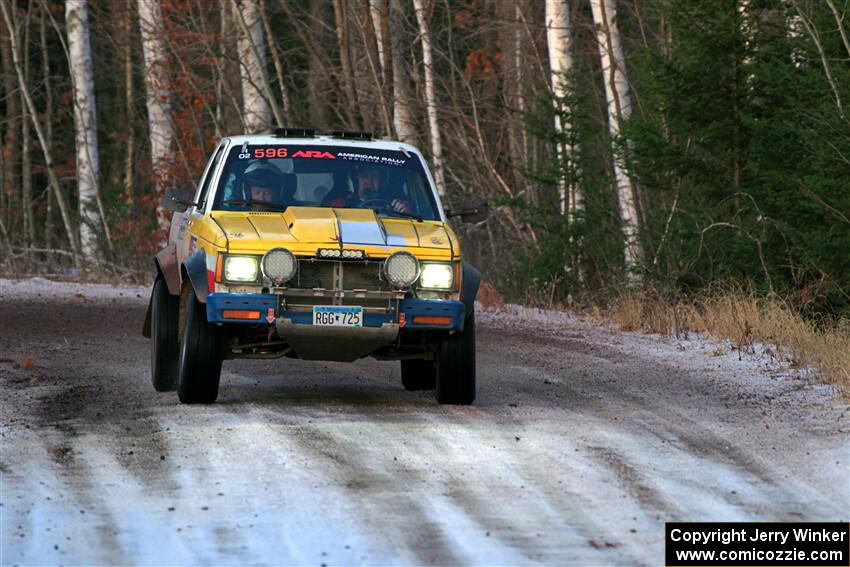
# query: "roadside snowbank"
756,367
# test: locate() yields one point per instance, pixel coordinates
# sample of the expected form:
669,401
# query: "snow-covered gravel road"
582,443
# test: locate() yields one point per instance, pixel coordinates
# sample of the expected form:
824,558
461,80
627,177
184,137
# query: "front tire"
418,375
456,366
165,309
200,356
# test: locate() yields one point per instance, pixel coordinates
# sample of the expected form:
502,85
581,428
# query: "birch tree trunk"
619,109
48,156
85,126
405,127
157,98
258,102
559,42
431,98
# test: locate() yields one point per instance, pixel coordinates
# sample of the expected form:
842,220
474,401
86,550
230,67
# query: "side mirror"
177,199
471,210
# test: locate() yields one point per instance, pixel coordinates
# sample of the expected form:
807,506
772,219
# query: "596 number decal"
270,152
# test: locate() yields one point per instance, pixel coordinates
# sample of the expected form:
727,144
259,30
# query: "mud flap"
165,264
196,268
146,328
470,280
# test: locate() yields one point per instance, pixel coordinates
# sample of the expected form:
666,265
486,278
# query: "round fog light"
279,265
401,269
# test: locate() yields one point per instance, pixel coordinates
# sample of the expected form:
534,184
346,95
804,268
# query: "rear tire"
418,375
456,366
201,354
165,352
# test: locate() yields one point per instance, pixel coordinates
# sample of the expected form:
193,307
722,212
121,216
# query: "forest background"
668,147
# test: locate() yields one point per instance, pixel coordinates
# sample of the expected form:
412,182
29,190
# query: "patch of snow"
35,288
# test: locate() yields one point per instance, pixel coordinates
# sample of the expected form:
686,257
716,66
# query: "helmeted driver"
265,185
369,188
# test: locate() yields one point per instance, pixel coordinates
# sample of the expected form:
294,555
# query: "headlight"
401,269
279,265
436,276
240,268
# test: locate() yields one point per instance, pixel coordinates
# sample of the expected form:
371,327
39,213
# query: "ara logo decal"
270,315
402,320
313,154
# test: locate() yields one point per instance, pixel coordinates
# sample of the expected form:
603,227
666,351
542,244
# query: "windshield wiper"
401,213
249,203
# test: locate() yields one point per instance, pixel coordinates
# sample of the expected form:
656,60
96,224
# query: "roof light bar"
351,135
294,132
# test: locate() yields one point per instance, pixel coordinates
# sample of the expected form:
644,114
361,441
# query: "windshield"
273,177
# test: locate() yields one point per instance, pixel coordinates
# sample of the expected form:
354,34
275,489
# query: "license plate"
338,316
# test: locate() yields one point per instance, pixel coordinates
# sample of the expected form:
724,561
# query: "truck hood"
330,227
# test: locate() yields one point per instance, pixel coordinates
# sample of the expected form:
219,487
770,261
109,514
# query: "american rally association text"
744,534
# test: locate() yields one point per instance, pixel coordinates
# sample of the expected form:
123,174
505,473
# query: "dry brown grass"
745,319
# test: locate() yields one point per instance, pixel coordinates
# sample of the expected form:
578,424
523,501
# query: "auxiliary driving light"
401,269
279,265
337,254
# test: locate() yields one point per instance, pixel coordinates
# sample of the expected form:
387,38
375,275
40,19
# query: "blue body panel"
218,302
435,308
262,302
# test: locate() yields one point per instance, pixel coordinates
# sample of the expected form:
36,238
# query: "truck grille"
348,276
329,282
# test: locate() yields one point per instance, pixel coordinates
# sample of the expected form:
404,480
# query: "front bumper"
408,314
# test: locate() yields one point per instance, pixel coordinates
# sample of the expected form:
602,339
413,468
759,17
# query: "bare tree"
278,62
560,46
85,126
26,141
376,13
11,125
258,101
813,33
157,96
129,108
379,12
348,81
48,119
619,109
48,156
405,127
431,97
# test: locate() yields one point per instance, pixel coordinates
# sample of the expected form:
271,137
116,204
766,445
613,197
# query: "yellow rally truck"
313,246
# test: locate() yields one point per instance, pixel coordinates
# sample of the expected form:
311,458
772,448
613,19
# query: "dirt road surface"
582,443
